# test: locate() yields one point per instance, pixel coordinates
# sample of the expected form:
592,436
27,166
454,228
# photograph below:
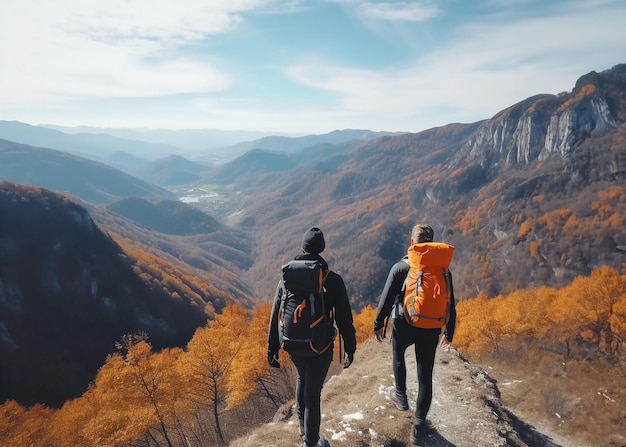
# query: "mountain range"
64,172
532,196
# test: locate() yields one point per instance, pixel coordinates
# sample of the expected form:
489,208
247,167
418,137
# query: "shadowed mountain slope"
251,169
172,170
247,168
63,172
165,216
69,292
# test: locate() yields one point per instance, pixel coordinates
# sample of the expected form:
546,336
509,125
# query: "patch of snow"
336,436
605,394
382,389
354,416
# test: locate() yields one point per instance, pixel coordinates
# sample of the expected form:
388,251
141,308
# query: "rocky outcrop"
544,125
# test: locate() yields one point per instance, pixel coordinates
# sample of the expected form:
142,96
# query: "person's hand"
272,359
380,334
349,360
445,343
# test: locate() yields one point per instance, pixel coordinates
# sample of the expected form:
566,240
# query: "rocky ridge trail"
466,409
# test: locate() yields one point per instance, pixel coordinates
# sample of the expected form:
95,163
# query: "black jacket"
393,296
335,297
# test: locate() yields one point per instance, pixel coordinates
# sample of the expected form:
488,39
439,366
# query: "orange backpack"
428,285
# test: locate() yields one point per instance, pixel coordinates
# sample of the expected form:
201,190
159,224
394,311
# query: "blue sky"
297,66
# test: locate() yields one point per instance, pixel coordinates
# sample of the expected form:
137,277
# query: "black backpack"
306,328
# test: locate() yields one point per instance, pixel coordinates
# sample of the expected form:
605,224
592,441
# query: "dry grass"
584,402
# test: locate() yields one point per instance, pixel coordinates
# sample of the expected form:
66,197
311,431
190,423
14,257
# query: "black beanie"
313,241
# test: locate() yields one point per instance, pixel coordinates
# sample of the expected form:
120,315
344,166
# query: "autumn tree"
250,364
251,371
24,427
211,358
479,331
135,394
589,315
618,321
587,307
364,323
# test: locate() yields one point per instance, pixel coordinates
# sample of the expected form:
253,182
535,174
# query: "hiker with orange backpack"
309,300
419,291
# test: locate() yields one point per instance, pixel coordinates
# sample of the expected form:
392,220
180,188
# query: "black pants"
311,375
425,341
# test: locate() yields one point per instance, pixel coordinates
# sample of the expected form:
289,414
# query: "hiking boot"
321,442
416,431
399,400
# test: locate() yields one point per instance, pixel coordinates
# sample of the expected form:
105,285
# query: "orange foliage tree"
211,359
587,308
364,323
24,427
590,310
618,319
250,365
478,331
135,391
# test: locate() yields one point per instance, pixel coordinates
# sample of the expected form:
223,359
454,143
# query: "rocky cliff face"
551,124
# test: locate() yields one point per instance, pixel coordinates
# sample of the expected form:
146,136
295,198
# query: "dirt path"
466,410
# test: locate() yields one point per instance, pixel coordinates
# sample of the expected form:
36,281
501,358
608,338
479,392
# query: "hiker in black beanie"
313,241
313,367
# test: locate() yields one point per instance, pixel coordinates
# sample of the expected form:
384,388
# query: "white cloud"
64,49
493,66
401,11
63,55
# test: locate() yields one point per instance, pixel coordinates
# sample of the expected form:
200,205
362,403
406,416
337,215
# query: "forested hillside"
69,292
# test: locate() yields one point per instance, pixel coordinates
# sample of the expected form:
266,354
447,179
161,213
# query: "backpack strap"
448,276
397,304
332,318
